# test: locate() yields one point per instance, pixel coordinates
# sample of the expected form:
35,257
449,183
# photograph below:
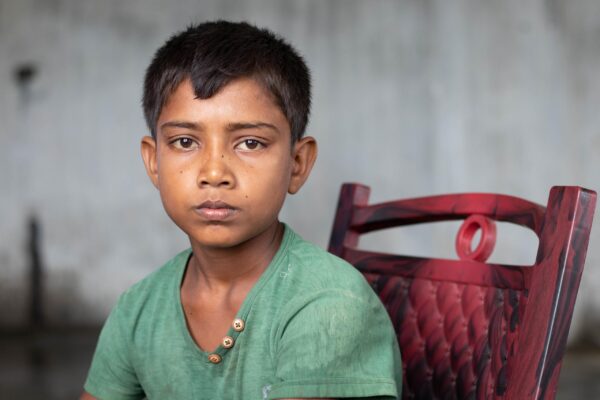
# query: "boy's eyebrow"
181,124
236,126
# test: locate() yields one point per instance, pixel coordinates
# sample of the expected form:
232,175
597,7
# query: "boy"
251,311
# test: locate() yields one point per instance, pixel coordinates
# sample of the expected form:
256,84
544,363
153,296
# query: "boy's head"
227,105
212,54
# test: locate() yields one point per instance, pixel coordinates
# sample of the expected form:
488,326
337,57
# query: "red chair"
468,329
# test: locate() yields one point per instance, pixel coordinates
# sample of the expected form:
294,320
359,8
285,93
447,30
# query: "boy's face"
223,165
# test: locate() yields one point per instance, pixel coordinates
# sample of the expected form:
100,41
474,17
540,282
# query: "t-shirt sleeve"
111,375
336,344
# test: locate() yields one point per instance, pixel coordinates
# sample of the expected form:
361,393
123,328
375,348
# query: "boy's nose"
215,171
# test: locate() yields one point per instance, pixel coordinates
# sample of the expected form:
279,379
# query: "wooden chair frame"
468,329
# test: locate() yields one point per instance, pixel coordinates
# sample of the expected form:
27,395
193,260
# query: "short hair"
212,54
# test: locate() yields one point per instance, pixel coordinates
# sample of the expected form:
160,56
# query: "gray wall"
411,97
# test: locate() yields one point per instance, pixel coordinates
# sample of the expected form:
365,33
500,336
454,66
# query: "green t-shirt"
310,327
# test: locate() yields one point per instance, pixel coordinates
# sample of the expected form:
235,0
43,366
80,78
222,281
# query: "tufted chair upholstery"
468,329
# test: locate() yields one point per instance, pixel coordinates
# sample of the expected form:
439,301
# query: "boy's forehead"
241,99
244,89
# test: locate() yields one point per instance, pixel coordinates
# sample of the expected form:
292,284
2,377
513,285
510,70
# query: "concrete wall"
411,97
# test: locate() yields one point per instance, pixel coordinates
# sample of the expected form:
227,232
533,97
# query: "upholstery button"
238,324
214,358
228,342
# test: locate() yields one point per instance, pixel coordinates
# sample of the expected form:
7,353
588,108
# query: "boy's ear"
304,155
149,156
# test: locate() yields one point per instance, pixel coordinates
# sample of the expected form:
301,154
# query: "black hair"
212,54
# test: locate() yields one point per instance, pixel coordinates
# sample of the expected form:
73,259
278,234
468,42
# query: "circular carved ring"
465,235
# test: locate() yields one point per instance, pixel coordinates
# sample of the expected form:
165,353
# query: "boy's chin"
223,237
215,241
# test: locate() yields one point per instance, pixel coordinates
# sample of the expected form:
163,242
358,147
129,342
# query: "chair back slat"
447,208
437,269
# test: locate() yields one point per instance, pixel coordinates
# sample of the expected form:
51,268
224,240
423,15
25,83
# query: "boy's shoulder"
158,286
319,269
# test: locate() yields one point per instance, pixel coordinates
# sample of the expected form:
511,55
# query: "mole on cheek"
181,172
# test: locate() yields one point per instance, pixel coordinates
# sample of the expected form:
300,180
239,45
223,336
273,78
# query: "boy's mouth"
215,210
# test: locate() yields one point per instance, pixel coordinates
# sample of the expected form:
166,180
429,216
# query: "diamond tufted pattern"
454,336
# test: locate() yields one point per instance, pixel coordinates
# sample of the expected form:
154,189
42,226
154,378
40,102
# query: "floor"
53,366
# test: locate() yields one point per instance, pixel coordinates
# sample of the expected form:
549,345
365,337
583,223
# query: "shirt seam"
385,387
99,387
335,380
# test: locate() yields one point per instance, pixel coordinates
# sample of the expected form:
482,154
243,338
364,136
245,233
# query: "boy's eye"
250,144
184,143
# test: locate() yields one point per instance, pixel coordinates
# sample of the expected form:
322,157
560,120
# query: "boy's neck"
214,269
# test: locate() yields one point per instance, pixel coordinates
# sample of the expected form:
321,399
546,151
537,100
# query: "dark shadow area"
36,269
579,374
49,365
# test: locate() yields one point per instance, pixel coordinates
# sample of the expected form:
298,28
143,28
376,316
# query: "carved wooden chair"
468,329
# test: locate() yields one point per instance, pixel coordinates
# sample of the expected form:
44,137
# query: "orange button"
214,358
238,324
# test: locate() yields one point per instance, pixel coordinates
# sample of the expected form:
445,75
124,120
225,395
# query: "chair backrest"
468,329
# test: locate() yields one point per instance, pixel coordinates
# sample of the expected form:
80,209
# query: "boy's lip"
215,204
215,210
